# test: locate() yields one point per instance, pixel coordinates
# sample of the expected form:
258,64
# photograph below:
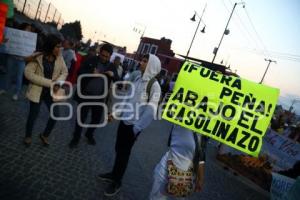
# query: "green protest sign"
229,109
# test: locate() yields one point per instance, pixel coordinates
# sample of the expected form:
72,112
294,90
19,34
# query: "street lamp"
203,30
226,31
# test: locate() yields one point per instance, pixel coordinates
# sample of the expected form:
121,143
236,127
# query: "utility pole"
270,61
54,14
37,10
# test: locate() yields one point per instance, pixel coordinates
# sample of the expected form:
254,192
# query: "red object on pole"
3,12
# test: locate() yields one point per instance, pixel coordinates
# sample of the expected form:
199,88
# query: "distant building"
171,64
155,46
161,48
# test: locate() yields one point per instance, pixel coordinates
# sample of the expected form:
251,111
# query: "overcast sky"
263,29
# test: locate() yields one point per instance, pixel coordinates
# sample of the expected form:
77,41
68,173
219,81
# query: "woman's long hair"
49,44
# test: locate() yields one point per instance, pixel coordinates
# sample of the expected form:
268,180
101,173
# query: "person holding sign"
137,114
183,162
231,110
42,73
15,69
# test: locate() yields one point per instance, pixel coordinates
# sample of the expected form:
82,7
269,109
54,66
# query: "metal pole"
54,14
24,6
47,12
188,52
28,10
59,19
223,33
37,10
270,61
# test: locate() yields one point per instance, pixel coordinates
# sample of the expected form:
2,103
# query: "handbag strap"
197,153
200,147
170,136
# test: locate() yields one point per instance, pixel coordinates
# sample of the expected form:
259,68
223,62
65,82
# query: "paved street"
59,173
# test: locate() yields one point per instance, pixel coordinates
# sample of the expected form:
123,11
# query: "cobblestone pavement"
59,173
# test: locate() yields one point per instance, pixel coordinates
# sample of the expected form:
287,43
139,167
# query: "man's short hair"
107,47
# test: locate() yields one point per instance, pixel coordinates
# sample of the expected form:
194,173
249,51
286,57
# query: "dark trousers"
34,109
96,116
124,144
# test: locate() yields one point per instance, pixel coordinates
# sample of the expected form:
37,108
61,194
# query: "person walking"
92,86
42,72
15,70
133,123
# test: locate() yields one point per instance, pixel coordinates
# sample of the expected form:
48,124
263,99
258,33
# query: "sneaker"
112,189
106,177
91,139
2,92
15,97
73,143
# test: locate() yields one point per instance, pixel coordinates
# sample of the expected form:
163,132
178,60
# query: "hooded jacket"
144,108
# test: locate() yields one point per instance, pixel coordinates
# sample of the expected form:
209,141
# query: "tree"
72,31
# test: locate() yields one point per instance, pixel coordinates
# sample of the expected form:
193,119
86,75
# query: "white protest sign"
114,55
20,43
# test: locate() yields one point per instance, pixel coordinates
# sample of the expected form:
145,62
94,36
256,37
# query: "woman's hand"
200,178
95,71
199,184
55,88
110,117
109,73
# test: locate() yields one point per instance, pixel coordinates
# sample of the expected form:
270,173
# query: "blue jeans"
15,70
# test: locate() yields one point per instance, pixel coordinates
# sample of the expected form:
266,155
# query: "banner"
280,151
280,185
228,109
3,12
20,43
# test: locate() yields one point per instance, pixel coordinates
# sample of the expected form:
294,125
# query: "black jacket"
93,85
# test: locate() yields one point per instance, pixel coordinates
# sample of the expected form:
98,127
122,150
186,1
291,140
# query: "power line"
255,31
282,57
246,28
238,25
285,54
243,28
264,46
